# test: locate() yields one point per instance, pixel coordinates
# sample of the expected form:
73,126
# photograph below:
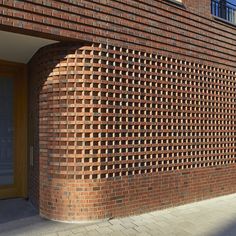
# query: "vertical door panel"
6,132
13,130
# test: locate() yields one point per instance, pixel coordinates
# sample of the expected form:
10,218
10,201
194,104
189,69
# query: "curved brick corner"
123,131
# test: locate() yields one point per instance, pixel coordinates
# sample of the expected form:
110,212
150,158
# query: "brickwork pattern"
120,129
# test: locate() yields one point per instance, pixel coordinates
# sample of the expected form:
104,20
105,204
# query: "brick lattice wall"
123,131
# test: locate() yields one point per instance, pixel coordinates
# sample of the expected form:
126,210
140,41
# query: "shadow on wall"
42,64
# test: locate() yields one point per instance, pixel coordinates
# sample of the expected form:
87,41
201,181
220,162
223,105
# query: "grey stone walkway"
215,217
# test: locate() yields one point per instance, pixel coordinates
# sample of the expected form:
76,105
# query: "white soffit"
20,48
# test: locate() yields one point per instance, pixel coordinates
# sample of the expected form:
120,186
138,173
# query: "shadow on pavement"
229,230
15,209
19,217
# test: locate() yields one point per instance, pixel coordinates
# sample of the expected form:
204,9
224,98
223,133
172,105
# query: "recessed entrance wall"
15,52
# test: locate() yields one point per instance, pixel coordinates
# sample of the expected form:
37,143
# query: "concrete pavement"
215,217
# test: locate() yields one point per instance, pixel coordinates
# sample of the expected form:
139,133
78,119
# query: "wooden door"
13,130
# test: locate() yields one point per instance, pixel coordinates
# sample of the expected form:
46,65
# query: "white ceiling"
20,48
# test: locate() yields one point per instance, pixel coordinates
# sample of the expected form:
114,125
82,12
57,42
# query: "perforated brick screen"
119,112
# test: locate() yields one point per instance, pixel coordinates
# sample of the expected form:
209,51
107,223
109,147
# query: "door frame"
17,72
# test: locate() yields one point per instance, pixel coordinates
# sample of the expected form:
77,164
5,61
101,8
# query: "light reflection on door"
6,132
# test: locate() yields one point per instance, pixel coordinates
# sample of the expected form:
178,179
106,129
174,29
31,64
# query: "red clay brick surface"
138,113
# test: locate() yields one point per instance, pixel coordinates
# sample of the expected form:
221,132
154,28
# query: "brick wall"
123,131
141,118
187,30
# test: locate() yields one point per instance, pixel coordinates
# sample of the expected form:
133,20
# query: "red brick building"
111,108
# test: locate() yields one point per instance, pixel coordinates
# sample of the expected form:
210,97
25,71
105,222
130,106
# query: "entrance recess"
13,130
